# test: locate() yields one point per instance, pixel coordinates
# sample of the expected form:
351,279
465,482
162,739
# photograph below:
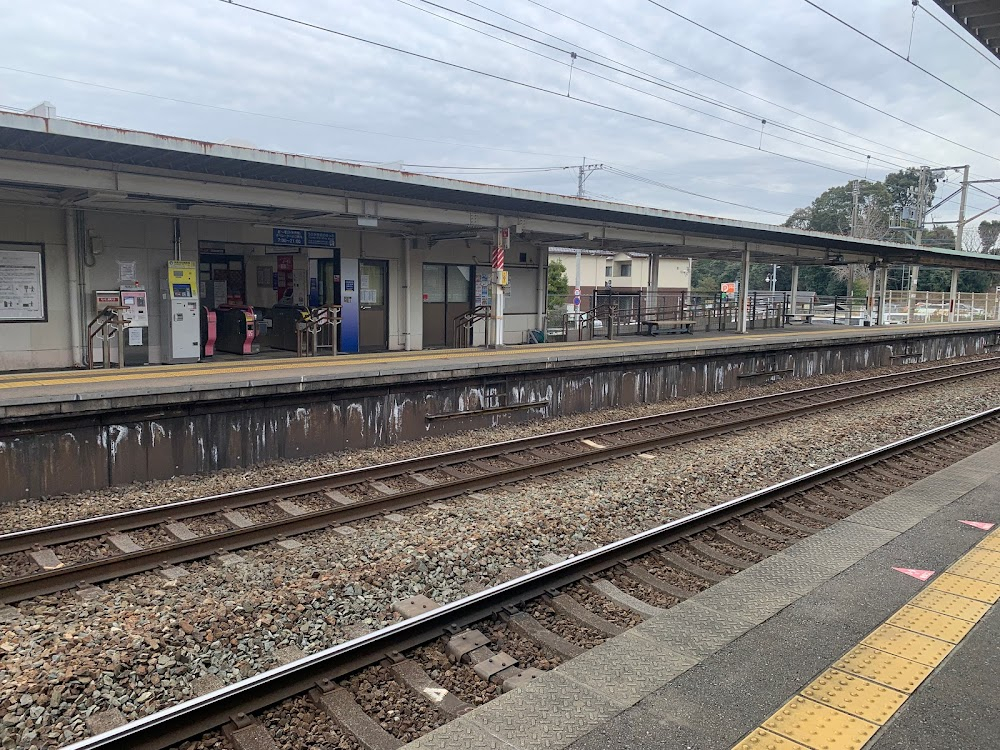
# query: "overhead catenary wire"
816,81
961,37
649,181
271,116
904,58
526,85
719,81
706,76
623,68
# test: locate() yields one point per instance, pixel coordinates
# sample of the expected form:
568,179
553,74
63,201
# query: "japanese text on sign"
22,292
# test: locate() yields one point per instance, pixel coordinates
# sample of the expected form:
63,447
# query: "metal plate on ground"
934,624
818,726
754,600
864,699
841,545
795,574
950,604
895,513
970,588
885,668
693,630
550,713
626,669
458,735
913,646
498,663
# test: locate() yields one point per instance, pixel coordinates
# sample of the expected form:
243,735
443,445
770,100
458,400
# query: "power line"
961,37
706,76
905,59
643,76
280,118
820,83
529,86
638,178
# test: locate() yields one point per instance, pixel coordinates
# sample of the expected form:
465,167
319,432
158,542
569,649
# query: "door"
328,270
373,318
447,294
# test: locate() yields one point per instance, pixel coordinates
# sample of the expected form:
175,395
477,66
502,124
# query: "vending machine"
136,336
180,331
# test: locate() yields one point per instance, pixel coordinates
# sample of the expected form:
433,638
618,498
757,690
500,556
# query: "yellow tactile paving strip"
846,705
462,357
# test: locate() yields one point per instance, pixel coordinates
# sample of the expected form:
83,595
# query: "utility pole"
921,212
856,193
961,209
585,170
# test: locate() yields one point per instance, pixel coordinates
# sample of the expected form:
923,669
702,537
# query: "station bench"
801,317
653,326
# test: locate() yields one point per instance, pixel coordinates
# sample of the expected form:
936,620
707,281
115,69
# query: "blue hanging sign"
321,239
288,237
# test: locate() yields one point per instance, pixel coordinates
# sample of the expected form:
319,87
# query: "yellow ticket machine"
180,323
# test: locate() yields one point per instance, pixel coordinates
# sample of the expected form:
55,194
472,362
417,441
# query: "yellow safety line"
849,702
38,380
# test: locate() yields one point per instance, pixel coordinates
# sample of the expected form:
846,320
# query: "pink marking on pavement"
982,525
920,575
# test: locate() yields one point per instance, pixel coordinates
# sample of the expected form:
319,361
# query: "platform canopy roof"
52,161
981,18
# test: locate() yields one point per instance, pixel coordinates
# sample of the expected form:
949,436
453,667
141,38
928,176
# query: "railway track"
43,560
558,611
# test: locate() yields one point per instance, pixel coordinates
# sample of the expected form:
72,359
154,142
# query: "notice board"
22,283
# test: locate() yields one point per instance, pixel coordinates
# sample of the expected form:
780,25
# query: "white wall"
673,273
25,346
149,241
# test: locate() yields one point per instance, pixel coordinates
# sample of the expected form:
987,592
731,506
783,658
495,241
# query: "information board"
22,283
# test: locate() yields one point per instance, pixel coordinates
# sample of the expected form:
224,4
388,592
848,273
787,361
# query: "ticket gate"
209,332
238,328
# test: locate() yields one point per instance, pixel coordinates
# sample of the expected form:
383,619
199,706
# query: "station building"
87,210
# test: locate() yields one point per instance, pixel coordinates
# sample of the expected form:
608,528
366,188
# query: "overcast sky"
309,91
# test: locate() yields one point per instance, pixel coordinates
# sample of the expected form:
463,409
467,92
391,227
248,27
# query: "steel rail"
193,717
115,566
71,531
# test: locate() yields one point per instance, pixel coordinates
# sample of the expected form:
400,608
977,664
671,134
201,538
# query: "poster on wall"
22,283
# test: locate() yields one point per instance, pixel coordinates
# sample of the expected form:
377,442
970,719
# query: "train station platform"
141,424
878,632
78,391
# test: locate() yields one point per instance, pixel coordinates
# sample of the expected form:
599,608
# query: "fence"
614,315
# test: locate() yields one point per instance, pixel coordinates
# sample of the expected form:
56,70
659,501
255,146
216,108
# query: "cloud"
214,53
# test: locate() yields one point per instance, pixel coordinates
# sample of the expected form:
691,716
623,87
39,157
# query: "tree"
558,289
989,232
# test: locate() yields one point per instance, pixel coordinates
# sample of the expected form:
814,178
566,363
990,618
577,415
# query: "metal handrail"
109,322
318,330
464,323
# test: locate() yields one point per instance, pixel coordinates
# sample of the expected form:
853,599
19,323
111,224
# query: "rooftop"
55,144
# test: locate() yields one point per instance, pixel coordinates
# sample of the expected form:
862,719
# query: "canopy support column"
953,298
743,293
793,307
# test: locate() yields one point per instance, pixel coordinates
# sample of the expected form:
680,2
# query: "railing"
109,323
317,331
465,322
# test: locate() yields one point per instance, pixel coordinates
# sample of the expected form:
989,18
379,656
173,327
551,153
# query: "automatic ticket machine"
180,331
133,302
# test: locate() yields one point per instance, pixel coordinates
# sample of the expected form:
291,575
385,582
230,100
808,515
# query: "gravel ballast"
144,640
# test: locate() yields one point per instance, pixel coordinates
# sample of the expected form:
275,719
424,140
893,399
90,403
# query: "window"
607,272
624,269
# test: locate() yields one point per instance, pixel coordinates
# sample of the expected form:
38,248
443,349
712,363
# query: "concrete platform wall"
53,454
